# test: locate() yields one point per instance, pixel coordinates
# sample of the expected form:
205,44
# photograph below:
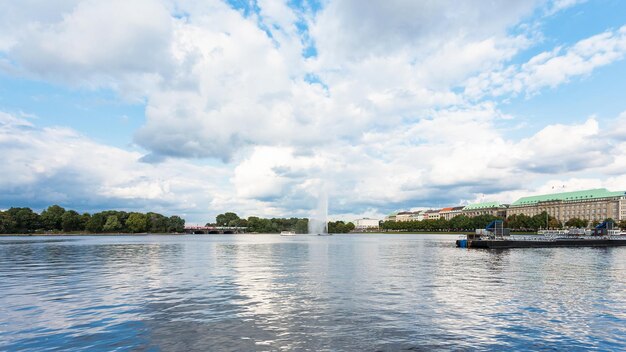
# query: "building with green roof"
593,204
488,208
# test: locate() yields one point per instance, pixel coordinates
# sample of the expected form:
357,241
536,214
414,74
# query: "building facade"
431,214
456,211
366,224
417,215
451,212
445,213
489,208
403,216
592,205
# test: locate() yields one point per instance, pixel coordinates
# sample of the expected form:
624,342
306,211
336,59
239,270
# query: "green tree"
260,225
576,222
554,223
136,222
84,219
240,223
481,221
441,224
226,218
622,224
340,227
122,216
302,226
460,223
336,227
175,224
7,225
540,221
51,217
112,224
71,221
25,220
96,223
157,223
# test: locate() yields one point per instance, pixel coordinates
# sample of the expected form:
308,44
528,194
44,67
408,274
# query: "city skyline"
195,108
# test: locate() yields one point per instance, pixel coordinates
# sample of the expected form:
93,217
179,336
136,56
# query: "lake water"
343,292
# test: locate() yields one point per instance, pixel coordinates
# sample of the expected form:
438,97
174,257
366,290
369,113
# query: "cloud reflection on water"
266,292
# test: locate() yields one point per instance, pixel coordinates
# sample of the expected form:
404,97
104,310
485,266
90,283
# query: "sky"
197,107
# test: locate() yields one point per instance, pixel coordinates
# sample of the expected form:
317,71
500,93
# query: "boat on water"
494,236
287,233
324,234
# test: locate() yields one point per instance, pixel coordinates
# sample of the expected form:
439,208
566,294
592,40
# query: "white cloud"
563,148
216,82
43,166
95,43
551,69
392,113
271,172
353,30
560,5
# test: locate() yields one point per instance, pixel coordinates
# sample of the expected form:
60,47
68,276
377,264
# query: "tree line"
514,222
457,223
57,219
276,225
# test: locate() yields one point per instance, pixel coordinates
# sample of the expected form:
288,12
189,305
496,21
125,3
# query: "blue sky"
200,107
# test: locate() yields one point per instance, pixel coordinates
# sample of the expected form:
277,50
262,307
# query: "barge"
494,236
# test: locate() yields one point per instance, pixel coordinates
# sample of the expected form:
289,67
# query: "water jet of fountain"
318,223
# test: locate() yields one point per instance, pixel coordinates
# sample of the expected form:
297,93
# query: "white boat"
287,233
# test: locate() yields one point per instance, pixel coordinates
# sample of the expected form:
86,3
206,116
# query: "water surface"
343,292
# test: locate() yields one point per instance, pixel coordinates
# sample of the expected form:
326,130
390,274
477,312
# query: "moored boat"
494,236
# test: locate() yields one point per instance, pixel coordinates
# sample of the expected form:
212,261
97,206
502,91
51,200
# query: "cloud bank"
388,105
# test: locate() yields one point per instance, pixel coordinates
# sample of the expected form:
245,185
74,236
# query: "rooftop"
483,205
568,196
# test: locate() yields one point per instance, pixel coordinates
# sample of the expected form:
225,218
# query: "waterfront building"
455,212
445,213
403,216
450,212
417,215
431,214
366,224
593,205
489,208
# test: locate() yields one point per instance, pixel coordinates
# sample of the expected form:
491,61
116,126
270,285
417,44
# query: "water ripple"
266,292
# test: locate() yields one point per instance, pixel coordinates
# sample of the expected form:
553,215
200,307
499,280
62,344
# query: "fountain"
318,223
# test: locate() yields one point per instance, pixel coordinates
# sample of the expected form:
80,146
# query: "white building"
403,216
366,224
417,215
431,214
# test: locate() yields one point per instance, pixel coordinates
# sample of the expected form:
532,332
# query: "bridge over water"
210,230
